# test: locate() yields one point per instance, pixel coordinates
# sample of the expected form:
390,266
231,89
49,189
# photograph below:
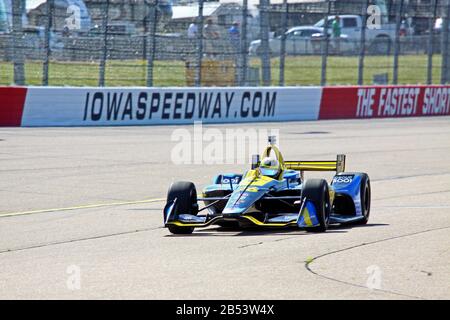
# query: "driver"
269,167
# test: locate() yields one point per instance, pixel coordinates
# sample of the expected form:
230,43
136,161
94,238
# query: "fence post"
151,40
283,42
445,51
398,20
146,24
362,51
101,78
323,79
201,22
265,54
431,43
48,51
18,56
244,45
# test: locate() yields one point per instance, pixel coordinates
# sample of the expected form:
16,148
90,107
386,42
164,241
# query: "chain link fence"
224,43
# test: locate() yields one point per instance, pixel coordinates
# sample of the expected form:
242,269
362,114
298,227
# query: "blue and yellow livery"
273,193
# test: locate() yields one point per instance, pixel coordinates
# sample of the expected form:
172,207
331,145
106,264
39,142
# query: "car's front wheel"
185,195
316,191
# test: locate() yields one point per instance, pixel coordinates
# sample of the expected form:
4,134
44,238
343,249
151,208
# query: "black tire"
316,191
365,195
186,195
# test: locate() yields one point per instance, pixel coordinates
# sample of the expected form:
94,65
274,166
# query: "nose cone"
233,212
240,201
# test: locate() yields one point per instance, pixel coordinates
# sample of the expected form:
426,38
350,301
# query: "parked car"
298,41
336,46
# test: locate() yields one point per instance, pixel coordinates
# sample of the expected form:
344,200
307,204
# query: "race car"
274,194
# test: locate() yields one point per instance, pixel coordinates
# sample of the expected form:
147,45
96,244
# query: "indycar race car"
275,194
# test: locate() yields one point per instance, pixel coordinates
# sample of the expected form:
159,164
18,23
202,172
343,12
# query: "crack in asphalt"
48,244
250,245
263,242
308,263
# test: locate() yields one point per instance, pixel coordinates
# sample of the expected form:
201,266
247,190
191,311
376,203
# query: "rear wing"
338,165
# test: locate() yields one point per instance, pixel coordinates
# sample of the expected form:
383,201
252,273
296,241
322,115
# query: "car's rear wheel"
365,197
316,191
185,194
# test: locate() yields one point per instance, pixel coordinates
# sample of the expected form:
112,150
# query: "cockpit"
272,163
270,167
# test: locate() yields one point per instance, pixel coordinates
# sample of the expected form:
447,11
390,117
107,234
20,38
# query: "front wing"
306,218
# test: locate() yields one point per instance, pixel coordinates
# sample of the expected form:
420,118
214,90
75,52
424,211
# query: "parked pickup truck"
378,40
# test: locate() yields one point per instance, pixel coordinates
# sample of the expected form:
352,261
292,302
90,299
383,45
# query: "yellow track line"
89,206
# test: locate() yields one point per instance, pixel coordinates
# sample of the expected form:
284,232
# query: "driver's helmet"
269,167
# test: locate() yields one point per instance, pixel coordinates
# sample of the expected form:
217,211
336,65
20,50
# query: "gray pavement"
121,250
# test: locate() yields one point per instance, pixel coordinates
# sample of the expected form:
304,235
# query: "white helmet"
269,162
269,167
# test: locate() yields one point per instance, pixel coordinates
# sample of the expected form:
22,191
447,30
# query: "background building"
4,22
63,13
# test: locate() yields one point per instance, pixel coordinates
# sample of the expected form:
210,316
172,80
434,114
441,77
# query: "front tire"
185,194
316,191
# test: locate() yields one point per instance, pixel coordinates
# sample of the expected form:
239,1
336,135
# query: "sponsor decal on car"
234,180
343,179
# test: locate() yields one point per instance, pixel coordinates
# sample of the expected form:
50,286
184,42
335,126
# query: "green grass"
344,70
305,70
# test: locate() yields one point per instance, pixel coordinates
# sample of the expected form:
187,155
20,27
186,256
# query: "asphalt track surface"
71,200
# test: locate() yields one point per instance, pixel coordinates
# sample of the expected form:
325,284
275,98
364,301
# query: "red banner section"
12,101
384,102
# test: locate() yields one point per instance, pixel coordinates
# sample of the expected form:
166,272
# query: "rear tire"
186,195
365,196
316,191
